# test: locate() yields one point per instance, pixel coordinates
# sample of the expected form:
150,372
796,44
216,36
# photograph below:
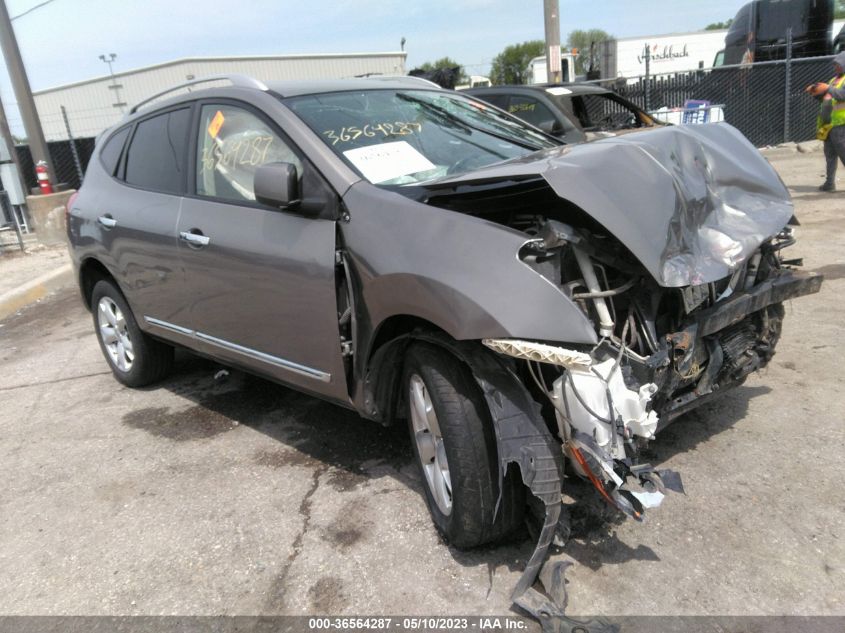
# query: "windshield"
397,137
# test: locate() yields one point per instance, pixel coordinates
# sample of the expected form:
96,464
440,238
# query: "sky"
61,41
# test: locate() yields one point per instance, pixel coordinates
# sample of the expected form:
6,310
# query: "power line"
31,9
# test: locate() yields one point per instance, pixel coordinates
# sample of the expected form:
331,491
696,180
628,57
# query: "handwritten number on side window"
250,152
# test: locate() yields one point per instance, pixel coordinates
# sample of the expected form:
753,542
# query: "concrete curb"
32,291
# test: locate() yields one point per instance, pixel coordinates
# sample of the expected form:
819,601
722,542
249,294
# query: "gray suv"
413,253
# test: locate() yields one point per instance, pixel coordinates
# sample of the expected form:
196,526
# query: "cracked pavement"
238,496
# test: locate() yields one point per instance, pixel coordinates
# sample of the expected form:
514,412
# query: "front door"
260,282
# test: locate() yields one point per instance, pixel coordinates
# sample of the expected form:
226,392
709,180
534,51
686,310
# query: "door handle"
194,238
107,221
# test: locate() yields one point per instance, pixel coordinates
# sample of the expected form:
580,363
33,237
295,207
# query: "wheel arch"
91,271
383,363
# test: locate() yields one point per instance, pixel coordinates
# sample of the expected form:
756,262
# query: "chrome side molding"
254,354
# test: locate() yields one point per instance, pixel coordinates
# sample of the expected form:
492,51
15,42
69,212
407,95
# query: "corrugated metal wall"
90,104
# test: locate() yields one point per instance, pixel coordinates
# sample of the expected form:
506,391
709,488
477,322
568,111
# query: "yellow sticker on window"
216,124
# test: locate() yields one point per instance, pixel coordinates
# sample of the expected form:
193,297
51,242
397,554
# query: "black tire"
469,443
152,360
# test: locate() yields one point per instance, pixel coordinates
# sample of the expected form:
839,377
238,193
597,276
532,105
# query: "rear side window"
500,101
531,110
111,151
157,153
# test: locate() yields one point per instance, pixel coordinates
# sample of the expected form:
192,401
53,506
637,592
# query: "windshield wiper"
444,113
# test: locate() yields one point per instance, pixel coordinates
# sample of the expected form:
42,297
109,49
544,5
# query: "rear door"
260,281
137,212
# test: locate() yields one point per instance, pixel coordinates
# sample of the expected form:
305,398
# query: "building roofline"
216,58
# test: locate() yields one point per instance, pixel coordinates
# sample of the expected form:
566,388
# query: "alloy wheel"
114,334
430,446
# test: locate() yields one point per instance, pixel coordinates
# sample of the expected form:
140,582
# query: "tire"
135,359
457,433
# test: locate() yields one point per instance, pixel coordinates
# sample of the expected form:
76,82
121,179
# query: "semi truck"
540,75
760,30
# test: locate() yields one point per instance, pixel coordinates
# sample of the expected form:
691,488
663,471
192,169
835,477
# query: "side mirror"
276,185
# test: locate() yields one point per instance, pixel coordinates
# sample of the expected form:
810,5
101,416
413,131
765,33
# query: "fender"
458,272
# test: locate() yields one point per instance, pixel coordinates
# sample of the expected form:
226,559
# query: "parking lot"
232,495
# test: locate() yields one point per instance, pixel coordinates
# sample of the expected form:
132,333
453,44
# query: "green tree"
718,26
445,63
839,10
587,56
511,65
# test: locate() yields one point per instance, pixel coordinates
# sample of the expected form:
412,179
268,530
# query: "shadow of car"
571,112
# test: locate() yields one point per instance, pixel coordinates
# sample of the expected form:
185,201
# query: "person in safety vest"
830,125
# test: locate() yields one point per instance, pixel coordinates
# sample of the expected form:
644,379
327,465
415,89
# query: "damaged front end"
670,243
661,352
635,278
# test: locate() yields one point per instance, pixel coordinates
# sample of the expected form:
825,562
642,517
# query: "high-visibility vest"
837,113
837,117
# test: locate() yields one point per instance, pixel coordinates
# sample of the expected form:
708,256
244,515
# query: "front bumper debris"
787,285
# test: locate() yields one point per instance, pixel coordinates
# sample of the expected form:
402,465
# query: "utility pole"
23,93
552,23
114,85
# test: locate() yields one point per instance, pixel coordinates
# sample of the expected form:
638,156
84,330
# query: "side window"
111,151
158,151
500,101
606,113
531,110
233,143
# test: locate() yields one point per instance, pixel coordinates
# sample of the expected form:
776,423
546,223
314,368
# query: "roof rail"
244,81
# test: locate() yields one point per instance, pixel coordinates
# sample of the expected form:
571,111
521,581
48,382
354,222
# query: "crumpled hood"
690,202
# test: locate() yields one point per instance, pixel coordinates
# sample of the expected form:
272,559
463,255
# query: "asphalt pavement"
233,495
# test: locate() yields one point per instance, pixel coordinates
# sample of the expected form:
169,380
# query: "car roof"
176,94
298,88
573,88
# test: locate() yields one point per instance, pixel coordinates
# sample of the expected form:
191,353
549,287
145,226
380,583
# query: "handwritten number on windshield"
353,132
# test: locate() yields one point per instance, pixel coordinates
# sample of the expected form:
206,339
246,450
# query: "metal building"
91,108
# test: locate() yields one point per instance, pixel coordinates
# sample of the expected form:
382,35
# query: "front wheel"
455,448
135,358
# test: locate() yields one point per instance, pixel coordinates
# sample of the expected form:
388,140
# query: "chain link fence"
765,101
70,160
70,145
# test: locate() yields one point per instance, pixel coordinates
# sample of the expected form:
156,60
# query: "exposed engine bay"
668,250
676,323
661,350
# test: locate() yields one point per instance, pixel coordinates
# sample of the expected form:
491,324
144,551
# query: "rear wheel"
455,448
135,358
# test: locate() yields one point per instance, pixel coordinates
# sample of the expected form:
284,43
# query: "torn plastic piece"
598,485
649,499
539,352
671,481
521,438
550,610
